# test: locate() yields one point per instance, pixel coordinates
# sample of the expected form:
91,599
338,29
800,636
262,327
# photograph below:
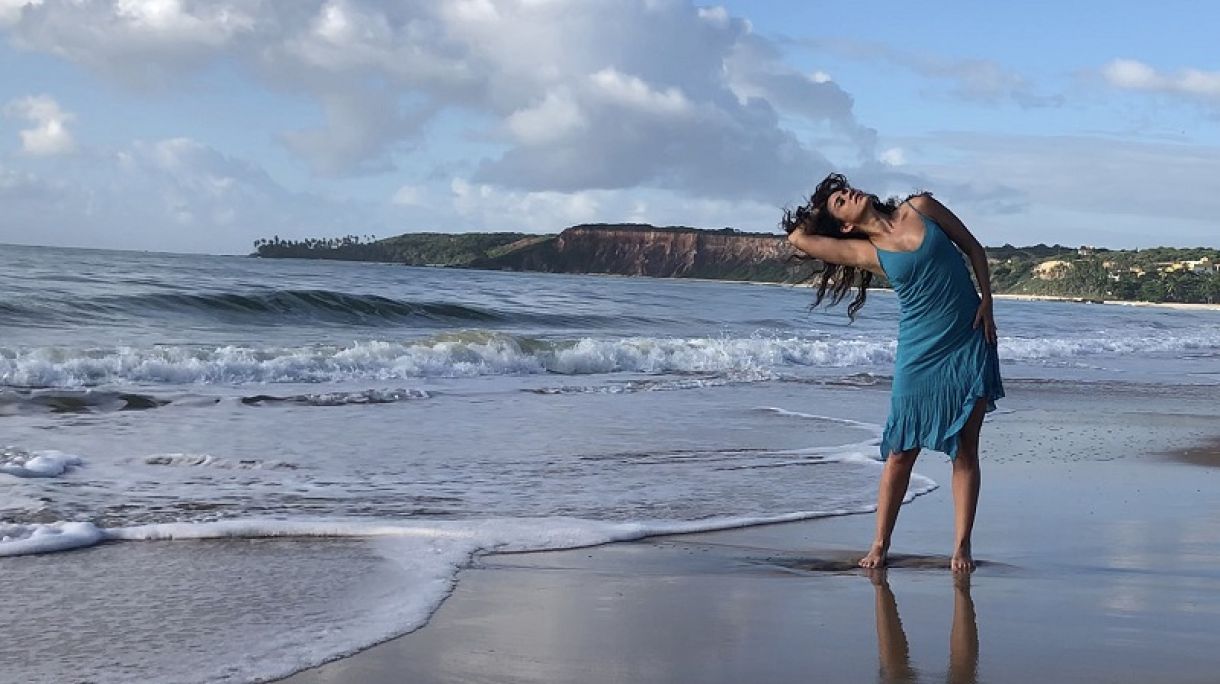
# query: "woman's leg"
894,481
966,482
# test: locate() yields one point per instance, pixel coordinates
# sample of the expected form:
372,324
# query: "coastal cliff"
661,252
1158,274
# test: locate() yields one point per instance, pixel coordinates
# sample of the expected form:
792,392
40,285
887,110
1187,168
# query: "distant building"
1203,266
1085,250
1199,266
1052,270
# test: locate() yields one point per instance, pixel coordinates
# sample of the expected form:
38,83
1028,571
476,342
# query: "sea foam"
426,555
26,464
23,540
480,353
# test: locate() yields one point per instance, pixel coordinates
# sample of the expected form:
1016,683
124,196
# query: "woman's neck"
876,224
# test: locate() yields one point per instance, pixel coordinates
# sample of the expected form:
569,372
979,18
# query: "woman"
947,373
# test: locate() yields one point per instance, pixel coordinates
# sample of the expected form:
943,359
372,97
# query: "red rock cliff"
631,249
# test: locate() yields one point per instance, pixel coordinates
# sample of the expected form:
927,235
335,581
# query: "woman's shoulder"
923,202
915,208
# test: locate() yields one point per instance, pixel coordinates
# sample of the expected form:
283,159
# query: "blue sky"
199,126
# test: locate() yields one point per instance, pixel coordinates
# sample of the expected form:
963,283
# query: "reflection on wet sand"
893,650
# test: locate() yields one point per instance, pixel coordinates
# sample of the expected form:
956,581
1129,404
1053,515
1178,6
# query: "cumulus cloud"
755,70
1129,74
364,128
634,94
488,205
11,11
621,93
481,206
556,117
631,92
49,135
137,41
174,194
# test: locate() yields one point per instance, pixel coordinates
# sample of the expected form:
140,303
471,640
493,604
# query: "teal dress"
944,364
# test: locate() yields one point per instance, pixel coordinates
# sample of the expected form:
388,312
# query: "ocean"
218,468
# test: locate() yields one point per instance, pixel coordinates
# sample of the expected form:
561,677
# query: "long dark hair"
813,218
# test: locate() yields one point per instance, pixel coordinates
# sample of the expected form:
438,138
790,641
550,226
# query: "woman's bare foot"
962,561
876,556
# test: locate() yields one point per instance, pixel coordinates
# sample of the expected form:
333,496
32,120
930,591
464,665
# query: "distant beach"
1164,305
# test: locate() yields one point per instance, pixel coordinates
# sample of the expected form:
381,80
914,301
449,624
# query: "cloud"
1008,188
534,211
1150,192
1129,74
982,81
408,195
11,11
481,206
556,117
894,156
50,135
20,185
364,128
658,93
755,70
174,194
137,41
631,92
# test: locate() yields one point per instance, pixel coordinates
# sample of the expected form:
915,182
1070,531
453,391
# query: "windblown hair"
814,218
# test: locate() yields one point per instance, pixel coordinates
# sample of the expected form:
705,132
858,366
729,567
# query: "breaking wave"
466,354
480,352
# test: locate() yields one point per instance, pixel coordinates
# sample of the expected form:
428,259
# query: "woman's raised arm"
855,253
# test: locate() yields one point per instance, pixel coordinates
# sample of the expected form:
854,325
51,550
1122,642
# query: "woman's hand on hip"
983,317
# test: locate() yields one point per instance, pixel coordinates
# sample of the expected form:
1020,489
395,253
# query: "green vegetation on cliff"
413,249
1161,274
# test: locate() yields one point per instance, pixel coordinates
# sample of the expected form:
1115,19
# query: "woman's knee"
903,459
966,457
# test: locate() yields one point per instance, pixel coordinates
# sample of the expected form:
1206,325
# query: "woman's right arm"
855,253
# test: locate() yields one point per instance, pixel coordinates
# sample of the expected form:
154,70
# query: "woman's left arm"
965,240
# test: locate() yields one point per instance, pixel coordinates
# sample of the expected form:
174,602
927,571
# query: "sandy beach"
1099,550
1163,305
1206,454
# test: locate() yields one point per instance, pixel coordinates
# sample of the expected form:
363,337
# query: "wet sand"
1099,562
1207,454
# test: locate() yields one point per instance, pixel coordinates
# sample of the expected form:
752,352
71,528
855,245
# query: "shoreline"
1079,579
1116,302
1180,306
1205,454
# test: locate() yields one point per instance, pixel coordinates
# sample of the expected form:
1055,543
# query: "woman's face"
848,205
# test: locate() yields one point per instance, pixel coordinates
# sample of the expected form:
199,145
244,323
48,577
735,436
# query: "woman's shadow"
893,650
